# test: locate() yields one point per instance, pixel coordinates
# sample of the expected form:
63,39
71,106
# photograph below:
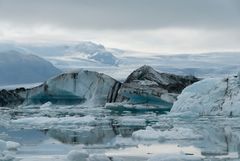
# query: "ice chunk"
176,133
175,157
99,158
45,105
211,97
11,145
78,155
44,122
131,121
148,134
5,155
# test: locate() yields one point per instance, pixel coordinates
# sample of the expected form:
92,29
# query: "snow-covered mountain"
204,65
18,68
120,63
65,55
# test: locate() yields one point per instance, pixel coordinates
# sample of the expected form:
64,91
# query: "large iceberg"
147,86
218,96
81,87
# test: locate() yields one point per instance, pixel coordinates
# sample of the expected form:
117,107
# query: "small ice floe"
175,157
82,155
5,146
101,157
47,121
176,133
131,121
78,155
148,134
11,145
46,105
8,145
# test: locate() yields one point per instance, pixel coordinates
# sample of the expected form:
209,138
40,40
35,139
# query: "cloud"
122,14
161,41
161,26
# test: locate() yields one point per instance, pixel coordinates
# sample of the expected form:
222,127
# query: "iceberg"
144,88
149,87
212,96
80,87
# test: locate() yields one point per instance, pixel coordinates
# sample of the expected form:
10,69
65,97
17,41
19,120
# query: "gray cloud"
161,26
123,14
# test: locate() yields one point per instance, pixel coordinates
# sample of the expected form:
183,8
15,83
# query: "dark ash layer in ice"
10,98
147,86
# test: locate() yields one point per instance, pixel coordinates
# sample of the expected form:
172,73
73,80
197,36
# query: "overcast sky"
161,26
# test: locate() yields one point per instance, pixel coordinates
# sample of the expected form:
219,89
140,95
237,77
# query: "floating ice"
45,122
175,157
5,155
46,105
211,97
146,86
98,157
131,121
176,133
78,155
82,87
11,145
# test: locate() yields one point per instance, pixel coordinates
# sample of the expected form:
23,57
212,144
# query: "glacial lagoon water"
50,132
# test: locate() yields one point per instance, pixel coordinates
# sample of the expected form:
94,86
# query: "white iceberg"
218,96
81,87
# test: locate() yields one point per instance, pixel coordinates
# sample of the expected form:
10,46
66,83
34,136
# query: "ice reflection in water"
111,133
